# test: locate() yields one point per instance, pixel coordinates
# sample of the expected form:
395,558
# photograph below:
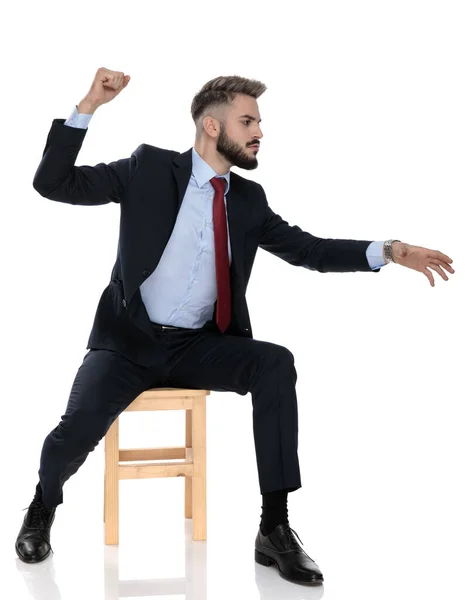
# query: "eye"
246,121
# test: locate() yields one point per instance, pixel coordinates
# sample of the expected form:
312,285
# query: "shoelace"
39,514
294,543
291,537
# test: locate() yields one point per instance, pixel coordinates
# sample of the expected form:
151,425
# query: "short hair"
221,91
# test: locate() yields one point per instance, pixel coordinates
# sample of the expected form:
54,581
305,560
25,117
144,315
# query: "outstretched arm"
300,248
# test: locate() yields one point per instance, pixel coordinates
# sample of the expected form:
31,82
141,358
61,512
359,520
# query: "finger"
110,82
440,255
439,270
429,276
444,265
447,266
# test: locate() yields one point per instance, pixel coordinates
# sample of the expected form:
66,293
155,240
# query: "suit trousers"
107,382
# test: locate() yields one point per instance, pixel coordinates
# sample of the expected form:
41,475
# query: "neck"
212,157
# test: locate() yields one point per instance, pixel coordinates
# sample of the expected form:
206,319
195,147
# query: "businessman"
174,313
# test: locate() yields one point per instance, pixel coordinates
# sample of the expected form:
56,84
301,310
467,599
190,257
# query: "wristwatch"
387,247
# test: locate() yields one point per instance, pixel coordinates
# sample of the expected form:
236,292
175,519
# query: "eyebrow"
250,117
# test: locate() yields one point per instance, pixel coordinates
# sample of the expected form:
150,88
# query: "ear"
211,126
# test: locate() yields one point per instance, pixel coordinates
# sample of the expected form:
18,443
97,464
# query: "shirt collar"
203,172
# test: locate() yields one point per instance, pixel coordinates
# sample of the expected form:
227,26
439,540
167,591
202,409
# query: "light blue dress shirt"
186,270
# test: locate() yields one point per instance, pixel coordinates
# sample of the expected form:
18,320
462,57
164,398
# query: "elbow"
37,186
47,191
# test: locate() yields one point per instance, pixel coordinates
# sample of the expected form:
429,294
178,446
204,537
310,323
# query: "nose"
256,139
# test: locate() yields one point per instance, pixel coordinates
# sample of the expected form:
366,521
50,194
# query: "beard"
234,153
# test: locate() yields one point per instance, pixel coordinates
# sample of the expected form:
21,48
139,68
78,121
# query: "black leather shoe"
280,548
33,541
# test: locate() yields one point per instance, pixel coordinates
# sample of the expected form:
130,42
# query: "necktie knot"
219,184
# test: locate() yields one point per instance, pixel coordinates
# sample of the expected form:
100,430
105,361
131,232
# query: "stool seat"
193,455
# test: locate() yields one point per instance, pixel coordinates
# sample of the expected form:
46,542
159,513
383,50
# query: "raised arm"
57,177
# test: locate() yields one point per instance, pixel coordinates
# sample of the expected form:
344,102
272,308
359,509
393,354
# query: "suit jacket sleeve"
302,249
58,179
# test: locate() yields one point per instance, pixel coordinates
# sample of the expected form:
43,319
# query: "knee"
278,357
286,355
281,356
283,365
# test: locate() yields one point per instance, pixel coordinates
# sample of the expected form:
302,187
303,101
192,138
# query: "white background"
365,137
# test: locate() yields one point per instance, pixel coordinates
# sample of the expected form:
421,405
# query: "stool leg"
111,495
188,480
199,468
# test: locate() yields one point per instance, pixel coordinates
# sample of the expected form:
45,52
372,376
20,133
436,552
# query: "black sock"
274,510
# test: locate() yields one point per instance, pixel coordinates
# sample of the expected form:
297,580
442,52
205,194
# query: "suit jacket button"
146,273
124,302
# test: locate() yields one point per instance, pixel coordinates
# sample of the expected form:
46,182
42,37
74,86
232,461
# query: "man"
174,313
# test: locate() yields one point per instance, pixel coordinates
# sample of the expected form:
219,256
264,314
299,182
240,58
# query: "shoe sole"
266,561
25,560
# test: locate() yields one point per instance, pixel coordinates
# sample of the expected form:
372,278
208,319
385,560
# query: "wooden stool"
193,467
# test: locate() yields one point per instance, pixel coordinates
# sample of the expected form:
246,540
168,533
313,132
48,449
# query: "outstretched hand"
422,259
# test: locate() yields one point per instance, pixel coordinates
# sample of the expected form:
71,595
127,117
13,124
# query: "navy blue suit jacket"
150,186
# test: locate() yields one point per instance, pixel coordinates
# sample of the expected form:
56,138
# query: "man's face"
237,138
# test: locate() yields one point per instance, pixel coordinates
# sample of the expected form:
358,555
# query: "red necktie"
223,306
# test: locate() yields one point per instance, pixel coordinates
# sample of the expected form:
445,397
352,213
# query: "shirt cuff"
374,253
79,120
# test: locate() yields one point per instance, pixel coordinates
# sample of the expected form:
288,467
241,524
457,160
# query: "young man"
174,313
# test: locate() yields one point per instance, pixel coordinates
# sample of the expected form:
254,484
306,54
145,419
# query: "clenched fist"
106,86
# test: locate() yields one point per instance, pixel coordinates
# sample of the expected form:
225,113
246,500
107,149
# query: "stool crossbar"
192,466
